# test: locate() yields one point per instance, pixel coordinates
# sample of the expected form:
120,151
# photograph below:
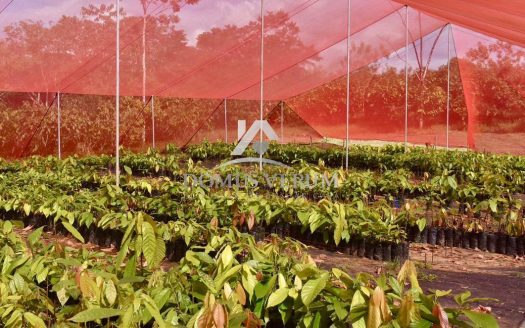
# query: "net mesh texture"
190,70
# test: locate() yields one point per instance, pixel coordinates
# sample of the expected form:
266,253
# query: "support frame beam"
117,97
59,127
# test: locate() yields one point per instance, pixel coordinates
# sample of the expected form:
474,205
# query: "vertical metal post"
117,100
59,127
406,77
262,84
153,122
448,84
282,122
225,120
347,140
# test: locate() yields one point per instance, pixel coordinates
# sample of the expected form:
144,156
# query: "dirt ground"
484,274
511,143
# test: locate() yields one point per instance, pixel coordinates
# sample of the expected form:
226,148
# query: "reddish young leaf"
240,294
438,312
242,219
251,220
220,317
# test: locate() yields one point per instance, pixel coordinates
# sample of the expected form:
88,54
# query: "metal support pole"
448,84
347,140
262,84
282,122
406,77
59,127
117,100
225,120
153,122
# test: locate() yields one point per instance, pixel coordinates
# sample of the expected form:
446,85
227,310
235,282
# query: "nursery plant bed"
491,275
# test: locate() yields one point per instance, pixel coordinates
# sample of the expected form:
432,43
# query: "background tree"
498,85
175,6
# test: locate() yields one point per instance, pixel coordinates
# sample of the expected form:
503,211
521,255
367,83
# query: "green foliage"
228,282
225,277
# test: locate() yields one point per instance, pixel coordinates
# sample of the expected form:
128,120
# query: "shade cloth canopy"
209,50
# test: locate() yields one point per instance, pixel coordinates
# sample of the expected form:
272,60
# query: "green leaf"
338,231
42,275
8,227
282,281
227,256
360,323
62,296
208,282
160,253
441,293
452,182
493,203
129,230
27,209
259,307
15,320
408,271
88,286
95,314
223,277
149,243
317,320
261,290
128,170
340,223
421,224
131,267
481,320
153,310
248,280
127,317
277,297
19,282
162,297
110,292
73,231
122,253
312,288
34,320
340,310
34,236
